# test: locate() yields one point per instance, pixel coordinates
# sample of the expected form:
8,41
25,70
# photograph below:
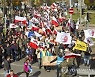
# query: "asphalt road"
18,68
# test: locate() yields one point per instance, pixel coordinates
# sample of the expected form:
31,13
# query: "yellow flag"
80,46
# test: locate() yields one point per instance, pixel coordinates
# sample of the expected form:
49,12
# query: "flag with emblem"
63,37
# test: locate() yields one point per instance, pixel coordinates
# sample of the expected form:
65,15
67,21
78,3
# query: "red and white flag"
61,19
35,28
71,55
54,21
55,31
68,23
13,25
36,14
48,30
47,8
20,19
33,44
53,6
44,31
34,20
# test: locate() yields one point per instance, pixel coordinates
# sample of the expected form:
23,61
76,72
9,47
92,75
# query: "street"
53,32
18,68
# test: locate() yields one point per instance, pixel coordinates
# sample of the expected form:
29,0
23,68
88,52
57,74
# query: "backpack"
72,70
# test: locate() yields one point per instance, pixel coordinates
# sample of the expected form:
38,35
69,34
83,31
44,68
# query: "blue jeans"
58,70
6,73
86,60
39,63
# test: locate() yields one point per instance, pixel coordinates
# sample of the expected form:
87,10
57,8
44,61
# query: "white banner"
89,33
64,38
89,41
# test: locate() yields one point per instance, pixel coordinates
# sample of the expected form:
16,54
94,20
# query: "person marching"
59,60
27,67
48,53
12,74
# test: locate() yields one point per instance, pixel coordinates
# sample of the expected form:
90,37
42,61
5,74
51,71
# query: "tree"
13,2
89,2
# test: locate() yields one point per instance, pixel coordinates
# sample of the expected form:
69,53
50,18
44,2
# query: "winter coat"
13,75
26,68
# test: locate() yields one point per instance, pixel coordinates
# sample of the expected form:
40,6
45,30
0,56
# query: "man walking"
7,66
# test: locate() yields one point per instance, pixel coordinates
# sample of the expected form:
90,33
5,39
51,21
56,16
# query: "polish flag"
42,24
46,8
12,25
37,15
68,23
53,6
54,21
35,28
34,20
55,31
48,30
20,19
33,44
61,19
71,55
44,31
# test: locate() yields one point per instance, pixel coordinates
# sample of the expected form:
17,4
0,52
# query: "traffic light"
83,11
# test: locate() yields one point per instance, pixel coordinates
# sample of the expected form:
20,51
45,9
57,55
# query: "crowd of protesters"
14,45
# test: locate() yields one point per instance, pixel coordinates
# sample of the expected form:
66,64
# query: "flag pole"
5,24
80,12
70,14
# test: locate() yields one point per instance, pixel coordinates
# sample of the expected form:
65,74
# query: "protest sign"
89,33
47,59
80,46
63,38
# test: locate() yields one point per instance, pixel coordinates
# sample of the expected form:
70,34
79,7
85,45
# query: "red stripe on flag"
33,45
54,23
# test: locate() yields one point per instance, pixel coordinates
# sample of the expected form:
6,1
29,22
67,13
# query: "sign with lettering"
80,46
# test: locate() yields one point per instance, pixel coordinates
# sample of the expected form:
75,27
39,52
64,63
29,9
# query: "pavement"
18,69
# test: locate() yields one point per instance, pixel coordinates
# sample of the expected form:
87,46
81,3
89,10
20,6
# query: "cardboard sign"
47,59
